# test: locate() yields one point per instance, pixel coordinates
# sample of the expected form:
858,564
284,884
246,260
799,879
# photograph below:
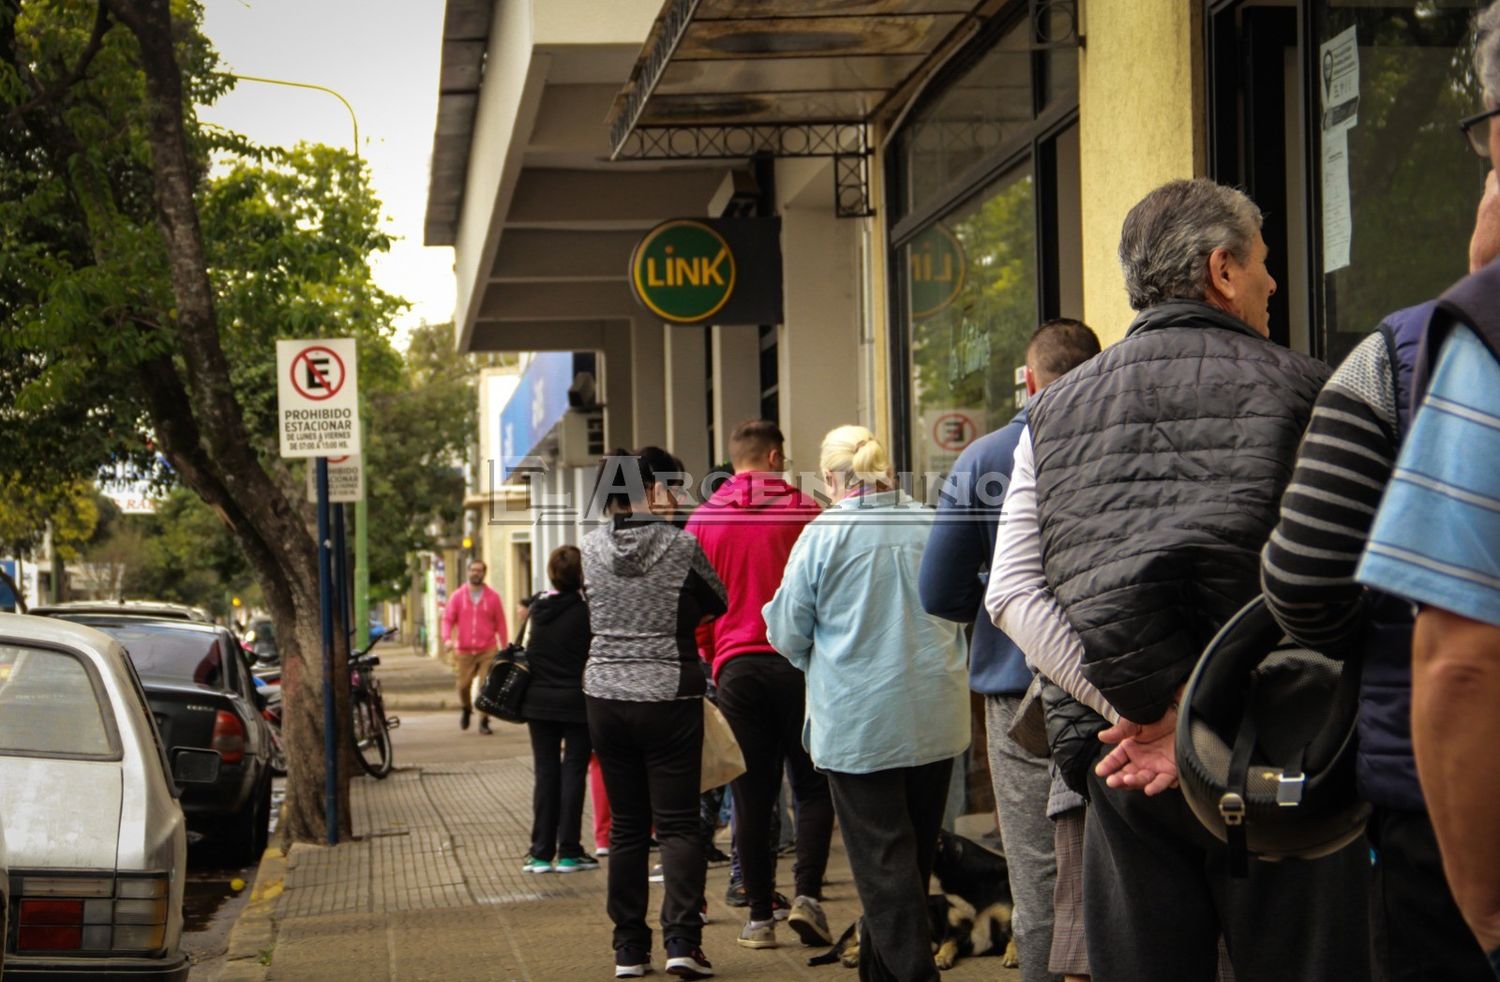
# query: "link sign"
317,397
710,271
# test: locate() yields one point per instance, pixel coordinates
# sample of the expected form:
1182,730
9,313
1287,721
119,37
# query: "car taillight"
229,737
92,915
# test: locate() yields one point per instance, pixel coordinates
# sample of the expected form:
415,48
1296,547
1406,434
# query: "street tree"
418,436
140,295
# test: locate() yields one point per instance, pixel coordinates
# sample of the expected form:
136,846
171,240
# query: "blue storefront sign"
540,400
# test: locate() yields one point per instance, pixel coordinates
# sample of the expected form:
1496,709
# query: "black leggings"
560,754
651,754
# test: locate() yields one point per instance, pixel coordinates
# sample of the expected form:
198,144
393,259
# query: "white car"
95,837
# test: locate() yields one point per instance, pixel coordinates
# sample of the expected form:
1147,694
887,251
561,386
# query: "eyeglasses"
1478,137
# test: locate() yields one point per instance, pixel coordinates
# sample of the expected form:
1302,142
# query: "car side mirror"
191,766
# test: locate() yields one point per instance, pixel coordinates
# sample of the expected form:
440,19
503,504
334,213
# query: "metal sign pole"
341,591
330,715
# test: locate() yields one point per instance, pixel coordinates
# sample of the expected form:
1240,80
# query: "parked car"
202,696
96,841
159,610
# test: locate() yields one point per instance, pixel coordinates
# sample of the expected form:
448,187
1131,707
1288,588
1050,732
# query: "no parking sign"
317,397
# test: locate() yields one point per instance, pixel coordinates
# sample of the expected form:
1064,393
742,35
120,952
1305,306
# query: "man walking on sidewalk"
747,530
473,632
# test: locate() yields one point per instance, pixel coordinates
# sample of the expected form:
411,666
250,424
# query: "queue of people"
1097,543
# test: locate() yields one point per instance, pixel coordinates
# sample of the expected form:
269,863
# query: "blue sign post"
330,712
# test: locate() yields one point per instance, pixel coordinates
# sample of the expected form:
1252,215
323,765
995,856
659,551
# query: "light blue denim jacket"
887,683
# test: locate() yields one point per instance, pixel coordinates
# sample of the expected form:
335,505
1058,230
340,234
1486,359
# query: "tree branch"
45,93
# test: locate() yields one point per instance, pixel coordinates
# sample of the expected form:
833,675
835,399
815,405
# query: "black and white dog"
970,917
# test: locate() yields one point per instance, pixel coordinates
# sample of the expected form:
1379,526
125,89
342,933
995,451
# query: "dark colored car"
202,695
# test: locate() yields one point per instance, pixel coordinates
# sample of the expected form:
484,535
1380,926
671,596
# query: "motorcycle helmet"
1266,741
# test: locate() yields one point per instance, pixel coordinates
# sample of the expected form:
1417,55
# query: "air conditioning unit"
580,438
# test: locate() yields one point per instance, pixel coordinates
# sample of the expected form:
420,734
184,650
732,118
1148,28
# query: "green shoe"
567,865
534,865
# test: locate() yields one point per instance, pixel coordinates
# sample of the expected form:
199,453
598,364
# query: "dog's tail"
829,957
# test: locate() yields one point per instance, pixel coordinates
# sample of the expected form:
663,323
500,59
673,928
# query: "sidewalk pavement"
432,886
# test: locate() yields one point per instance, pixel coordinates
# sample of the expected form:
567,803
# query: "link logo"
683,271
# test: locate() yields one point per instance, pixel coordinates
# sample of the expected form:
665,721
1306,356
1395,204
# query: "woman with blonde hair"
887,692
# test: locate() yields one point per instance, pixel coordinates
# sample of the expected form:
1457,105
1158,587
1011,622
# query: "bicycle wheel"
372,740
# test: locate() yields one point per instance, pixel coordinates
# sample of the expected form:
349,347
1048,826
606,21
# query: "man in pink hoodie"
747,530
473,628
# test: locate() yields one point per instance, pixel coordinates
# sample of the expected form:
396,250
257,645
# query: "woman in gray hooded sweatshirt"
650,586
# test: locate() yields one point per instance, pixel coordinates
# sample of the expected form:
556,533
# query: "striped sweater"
1346,458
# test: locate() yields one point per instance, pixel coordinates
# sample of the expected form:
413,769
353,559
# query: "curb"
252,940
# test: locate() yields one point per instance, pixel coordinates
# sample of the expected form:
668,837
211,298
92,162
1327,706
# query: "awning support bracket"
847,143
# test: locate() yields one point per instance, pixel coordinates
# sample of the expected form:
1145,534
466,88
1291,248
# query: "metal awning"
794,78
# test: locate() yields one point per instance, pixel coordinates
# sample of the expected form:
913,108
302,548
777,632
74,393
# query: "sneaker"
703,912
534,865
716,856
810,923
586,862
780,906
632,962
758,934
685,960
567,864
658,875
484,726
463,719
735,896
601,851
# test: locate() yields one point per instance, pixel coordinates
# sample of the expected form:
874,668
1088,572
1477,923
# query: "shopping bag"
722,759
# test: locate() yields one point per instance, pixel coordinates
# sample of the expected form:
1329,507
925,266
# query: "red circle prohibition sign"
962,439
313,372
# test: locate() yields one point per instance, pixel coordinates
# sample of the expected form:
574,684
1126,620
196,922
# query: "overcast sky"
382,56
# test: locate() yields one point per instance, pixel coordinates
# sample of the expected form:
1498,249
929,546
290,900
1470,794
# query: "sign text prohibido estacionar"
317,397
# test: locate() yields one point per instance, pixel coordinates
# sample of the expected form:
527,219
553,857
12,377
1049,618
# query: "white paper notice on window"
1338,59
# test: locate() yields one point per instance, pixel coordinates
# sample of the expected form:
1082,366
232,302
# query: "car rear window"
50,705
165,651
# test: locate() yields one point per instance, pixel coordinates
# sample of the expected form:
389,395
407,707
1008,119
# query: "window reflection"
1412,188
972,306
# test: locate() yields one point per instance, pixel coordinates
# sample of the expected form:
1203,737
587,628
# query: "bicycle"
370,727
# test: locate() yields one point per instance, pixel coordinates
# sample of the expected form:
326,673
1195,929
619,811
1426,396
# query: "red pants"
601,804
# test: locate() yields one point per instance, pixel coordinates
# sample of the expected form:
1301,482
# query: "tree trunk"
201,431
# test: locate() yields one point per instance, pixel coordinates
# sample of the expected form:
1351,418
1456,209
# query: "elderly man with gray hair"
1157,468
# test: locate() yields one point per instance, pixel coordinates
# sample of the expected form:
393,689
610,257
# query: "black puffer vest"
1159,468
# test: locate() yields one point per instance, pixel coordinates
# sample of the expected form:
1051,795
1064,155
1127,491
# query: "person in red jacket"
473,628
747,530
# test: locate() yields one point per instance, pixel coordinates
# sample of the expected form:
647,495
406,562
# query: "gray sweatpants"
1022,784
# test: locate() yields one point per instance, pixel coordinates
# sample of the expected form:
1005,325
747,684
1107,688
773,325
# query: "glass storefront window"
971,300
991,103
1399,188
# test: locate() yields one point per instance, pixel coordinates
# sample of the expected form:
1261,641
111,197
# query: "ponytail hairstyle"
854,453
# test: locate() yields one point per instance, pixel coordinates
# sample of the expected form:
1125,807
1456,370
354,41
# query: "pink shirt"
474,627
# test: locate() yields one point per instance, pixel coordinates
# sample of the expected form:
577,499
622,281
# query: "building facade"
947,174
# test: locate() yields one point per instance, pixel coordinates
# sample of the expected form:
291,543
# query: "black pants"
1157,894
1415,926
651,755
762,697
890,821
560,755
